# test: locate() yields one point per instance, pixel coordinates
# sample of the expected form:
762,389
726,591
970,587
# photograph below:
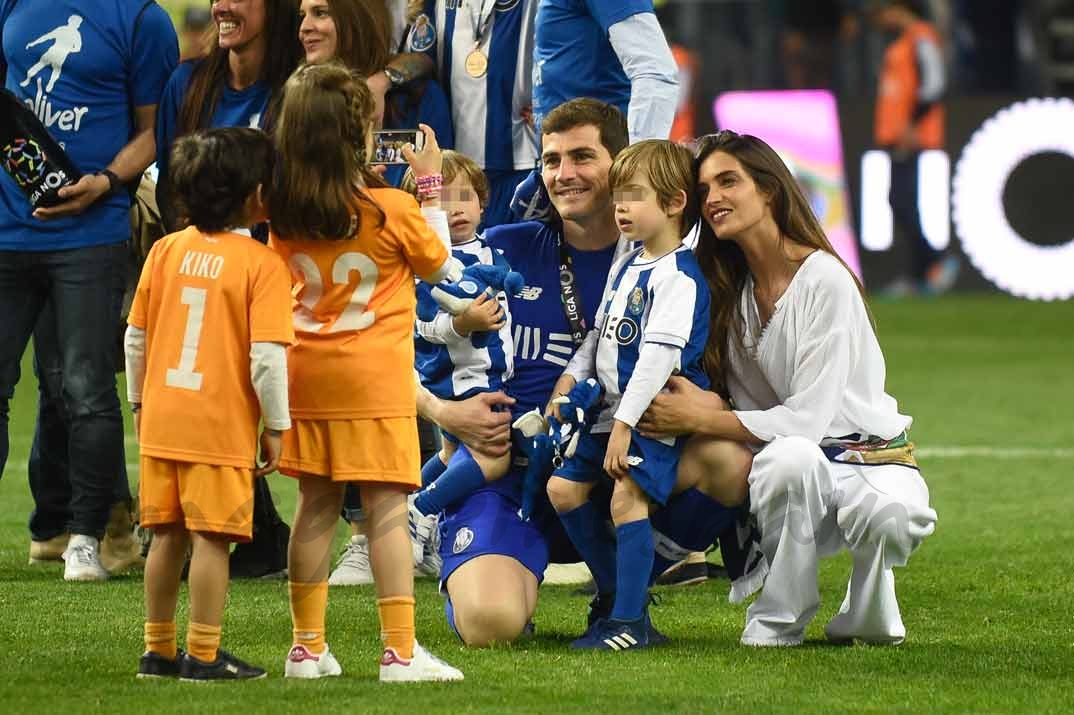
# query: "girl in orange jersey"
354,247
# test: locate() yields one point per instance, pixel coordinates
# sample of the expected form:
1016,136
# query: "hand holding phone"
425,158
388,145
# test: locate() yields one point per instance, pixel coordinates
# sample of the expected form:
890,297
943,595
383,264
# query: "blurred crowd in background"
991,46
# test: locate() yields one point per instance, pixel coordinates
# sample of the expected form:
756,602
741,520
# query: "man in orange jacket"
910,120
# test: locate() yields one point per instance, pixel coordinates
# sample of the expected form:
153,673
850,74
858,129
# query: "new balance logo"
530,292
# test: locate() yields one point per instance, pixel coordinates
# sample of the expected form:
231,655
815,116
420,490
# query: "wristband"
113,180
429,186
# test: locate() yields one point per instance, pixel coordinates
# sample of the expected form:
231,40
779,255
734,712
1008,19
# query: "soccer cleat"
423,667
49,549
421,530
303,664
154,665
82,560
225,667
621,635
353,568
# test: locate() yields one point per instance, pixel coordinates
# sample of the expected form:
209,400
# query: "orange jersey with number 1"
354,313
202,300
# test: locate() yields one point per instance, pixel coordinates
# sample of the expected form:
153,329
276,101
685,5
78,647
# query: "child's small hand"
485,313
563,386
429,160
615,458
271,447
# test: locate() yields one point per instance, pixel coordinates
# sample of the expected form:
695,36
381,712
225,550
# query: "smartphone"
388,145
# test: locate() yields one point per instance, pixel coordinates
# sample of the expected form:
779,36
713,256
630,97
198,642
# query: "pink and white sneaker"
303,664
423,667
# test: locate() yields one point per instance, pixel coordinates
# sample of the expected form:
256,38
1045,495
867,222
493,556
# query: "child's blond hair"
669,169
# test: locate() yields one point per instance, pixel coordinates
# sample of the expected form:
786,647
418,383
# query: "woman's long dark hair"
282,54
722,261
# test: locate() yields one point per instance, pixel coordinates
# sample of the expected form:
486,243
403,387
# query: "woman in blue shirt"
234,85
358,34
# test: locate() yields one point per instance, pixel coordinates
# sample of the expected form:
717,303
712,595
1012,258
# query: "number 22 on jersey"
354,315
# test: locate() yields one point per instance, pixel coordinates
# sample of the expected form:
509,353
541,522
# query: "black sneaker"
265,556
154,665
225,667
684,573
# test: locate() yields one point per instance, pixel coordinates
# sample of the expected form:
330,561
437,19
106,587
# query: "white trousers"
808,507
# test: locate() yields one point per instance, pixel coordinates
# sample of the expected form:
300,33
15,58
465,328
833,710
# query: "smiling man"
494,561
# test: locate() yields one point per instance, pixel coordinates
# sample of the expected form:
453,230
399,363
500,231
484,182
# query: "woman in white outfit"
792,343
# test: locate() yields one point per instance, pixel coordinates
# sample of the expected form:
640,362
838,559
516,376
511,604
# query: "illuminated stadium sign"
1003,142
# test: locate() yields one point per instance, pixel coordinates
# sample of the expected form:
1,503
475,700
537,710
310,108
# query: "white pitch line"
957,452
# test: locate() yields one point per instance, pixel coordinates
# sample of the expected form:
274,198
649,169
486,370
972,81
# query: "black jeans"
85,289
904,209
50,483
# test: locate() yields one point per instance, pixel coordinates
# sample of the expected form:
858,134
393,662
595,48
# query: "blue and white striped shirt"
488,111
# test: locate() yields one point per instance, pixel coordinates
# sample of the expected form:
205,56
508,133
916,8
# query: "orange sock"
309,601
160,639
397,624
202,641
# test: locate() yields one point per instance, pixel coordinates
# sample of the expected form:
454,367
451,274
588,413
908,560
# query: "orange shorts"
367,450
201,497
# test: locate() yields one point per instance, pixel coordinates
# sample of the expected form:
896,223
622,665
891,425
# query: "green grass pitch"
986,600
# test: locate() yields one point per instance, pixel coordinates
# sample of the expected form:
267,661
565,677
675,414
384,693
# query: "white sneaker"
353,568
303,664
424,666
421,530
567,574
431,563
83,560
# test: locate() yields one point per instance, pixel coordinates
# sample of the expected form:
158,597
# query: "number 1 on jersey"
184,376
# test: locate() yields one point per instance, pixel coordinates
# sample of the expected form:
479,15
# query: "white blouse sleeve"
823,361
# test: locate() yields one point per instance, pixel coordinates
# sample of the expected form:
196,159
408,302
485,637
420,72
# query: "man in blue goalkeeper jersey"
493,559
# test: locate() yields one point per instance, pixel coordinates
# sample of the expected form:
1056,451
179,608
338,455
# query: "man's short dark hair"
214,171
584,111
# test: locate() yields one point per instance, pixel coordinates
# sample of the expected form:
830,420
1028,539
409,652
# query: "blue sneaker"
618,635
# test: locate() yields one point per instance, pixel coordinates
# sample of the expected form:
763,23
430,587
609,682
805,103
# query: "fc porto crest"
422,34
463,538
636,302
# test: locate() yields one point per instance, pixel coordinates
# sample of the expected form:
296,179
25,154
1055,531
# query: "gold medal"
477,63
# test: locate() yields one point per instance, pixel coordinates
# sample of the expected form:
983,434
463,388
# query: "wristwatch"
113,180
395,77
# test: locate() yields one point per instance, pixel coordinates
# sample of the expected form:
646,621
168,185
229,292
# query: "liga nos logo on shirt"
56,46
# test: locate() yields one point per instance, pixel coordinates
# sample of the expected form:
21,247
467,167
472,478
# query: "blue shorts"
655,475
487,522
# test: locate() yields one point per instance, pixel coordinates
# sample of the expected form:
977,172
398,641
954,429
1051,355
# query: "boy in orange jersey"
206,359
354,247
